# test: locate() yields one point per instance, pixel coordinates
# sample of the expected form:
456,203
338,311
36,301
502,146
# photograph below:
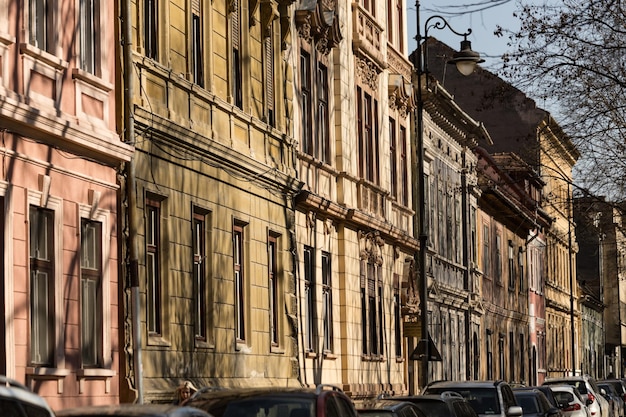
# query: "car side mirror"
514,411
553,412
589,401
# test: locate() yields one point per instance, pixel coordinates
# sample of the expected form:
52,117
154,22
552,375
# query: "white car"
588,388
570,401
16,400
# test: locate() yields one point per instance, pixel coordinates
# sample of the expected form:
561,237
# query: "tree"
572,53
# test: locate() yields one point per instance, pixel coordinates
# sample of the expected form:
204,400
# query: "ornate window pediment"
400,97
317,22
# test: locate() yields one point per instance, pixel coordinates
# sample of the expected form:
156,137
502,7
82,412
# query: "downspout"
129,137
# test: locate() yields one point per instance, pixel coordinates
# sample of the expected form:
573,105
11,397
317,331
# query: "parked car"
570,401
487,398
16,400
448,404
588,388
620,387
323,401
535,404
613,397
133,410
390,408
546,390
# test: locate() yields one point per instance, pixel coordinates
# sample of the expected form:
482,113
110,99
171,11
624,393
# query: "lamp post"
465,61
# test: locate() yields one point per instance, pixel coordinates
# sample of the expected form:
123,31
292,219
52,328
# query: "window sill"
277,350
158,341
309,354
330,356
373,358
44,57
91,79
38,373
95,373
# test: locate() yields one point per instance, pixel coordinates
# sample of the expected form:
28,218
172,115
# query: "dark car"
535,404
547,391
390,408
613,397
618,384
448,404
487,398
323,401
16,400
133,410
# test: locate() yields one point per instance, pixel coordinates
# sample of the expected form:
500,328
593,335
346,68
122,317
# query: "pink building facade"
59,157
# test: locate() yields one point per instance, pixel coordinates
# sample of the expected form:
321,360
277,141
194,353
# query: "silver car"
588,388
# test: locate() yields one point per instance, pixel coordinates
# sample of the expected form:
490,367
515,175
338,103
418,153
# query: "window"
200,258
486,250
498,260
273,289
89,31
367,130
520,264
236,64
501,355
370,6
315,108
512,356
397,315
91,293
395,23
474,245
153,268
404,168
393,162
522,355
240,294
270,105
489,355
327,294
511,264
151,29
41,26
42,288
371,308
309,290
197,40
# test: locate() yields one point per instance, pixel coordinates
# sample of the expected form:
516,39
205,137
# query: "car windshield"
267,406
482,400
528,403
563,397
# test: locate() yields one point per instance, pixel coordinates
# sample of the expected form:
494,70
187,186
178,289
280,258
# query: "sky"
482,16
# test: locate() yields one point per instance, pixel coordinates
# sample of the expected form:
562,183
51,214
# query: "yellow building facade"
208,289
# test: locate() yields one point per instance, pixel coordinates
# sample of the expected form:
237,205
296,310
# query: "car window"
563,397
268,407
528,403
376,413
10,409
508,398
433,408
463,409
344,407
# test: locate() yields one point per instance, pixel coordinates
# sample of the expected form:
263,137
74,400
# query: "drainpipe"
129,130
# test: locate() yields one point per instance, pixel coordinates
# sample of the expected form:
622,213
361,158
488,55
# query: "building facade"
451,197
354,216
59,200
209,290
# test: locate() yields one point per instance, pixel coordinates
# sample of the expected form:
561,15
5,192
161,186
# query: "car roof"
443,397
386,404
133,410
472,384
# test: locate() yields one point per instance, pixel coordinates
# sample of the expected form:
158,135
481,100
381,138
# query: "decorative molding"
367,71
317,23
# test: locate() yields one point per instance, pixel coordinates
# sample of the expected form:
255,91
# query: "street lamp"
465,61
